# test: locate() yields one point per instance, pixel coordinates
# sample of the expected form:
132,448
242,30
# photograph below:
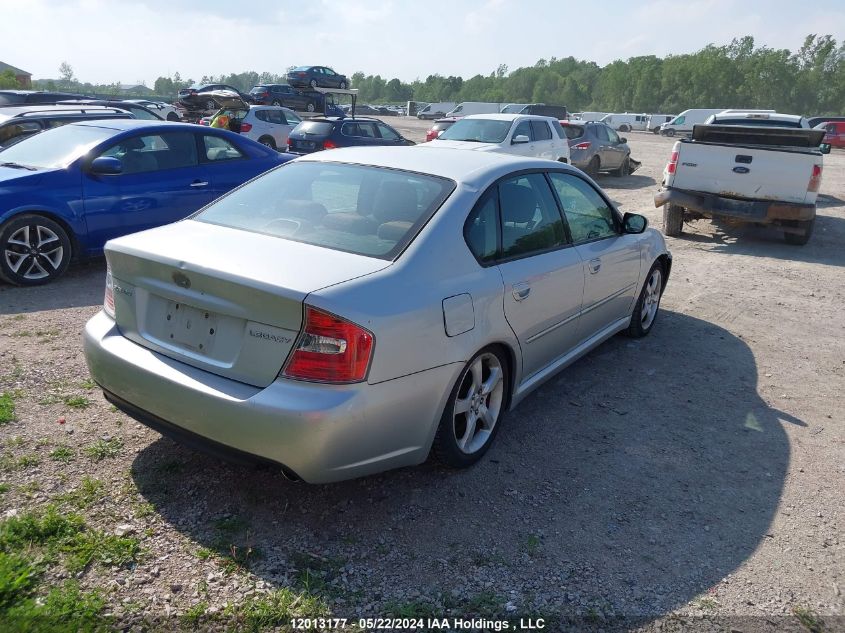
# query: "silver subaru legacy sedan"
357,310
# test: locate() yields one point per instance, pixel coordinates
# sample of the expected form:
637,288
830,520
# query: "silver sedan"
357,310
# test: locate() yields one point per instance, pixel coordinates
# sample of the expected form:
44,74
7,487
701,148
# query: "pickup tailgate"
748,162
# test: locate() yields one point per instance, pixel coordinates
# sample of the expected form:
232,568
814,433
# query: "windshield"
55,148
514,108
477,130
370,211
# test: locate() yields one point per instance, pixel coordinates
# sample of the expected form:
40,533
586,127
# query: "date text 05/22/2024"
419,624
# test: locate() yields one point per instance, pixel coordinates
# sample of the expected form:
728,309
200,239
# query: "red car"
439,126
834,133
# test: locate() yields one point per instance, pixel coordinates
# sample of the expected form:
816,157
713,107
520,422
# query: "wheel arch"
75,244
508,354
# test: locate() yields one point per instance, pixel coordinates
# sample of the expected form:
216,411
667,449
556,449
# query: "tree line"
737,75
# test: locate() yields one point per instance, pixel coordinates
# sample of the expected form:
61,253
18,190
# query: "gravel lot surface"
693,478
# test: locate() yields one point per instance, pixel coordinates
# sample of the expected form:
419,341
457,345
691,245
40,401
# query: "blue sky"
107,41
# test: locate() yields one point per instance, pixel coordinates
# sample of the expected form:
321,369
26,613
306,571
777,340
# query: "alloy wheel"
478,403
651,300
34,252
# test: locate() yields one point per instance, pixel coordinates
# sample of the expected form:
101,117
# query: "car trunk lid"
225,300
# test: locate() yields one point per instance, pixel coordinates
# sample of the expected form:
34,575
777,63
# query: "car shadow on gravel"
82,285
824,247
633,181
625,487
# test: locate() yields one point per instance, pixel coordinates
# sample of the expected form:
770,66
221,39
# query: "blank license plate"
190,327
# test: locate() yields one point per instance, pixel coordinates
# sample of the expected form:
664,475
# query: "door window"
387,133
529,216
601,133
140,154
541,131
523,129
218,149
588,214
361,129
613,136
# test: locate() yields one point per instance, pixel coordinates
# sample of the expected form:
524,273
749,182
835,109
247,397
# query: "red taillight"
815,179
672,165
329,144
584,145
290,141
246,127
330,349
205,122
108,300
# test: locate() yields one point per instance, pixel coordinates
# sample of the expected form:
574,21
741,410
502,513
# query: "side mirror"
634,223
622,140
824,148
521,138
106,166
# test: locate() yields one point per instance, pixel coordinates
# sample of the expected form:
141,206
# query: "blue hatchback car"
66,191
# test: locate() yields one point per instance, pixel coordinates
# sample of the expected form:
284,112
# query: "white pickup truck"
758,168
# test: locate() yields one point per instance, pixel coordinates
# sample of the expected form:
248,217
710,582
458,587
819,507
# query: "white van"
682,124
593,116
436,110
475,107
625,121
656,120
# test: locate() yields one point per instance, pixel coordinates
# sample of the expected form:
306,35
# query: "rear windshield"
763,122
573,131
316,128
372,211
478,131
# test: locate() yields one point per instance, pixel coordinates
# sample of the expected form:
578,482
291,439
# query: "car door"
358,132
616,147
543,140
543,275
611,258
161,182
228,166
330,78
388,135
607,156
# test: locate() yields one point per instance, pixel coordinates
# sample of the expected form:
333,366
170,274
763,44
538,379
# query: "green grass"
533,545
64,608
89,492
77,402
103,449
4,488
62,454
192,616
7,407
18,577
809,619
274,610
10,463
88,384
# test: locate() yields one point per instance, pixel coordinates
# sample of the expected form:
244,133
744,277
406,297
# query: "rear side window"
541,131
481,230
359,209
363,129
601,133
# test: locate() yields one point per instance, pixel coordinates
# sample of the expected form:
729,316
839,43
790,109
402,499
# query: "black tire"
624,128
656,130
446,448
624,169
47,256
268,141
310,107
593,167
276,102
313,83
210,105
800,240
673,220
172,116
649,295
670,132
342,85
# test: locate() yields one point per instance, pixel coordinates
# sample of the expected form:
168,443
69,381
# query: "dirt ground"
689,478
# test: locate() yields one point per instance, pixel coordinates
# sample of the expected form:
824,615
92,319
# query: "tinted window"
601,132
387,133
612,135
362,129
587,213
219,149
18,131
523,129
481,230
541,131
55,148
314,128
529,216
140,154
477,130
366,210
573,131
7,98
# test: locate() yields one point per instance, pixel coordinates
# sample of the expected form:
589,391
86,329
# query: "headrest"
519,203
396,201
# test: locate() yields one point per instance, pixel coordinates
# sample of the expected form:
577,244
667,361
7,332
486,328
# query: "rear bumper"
764,211
319,433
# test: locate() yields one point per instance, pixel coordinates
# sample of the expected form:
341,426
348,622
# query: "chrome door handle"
521,291
200,183
595,265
